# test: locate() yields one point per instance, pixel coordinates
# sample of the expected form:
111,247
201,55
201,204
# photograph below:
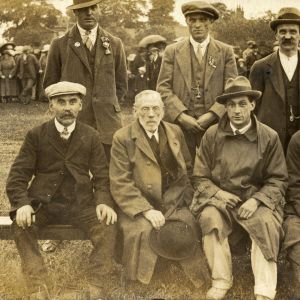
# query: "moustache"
68,115
288,41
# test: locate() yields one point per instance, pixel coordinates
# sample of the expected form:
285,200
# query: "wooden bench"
50,232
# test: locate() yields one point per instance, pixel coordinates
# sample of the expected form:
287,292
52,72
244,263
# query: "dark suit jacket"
175,77
42,158
106,85
266,76
135,174
32,66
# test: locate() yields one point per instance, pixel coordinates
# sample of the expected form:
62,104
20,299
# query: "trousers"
219,260
101,235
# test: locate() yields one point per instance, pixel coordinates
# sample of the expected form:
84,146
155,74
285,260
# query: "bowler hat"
77,4
175,240
64,88
202,7
286,15
239,86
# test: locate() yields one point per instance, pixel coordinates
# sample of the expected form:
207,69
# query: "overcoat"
250,166
266,76
175,77
135,179
106,84
42,162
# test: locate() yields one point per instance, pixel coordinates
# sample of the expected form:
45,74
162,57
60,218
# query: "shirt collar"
149,134
242,130
287,58
203,45
82,31
61,127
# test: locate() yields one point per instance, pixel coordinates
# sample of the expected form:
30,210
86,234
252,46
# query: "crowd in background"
22,68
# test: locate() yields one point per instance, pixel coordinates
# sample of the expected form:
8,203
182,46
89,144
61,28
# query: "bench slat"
50,232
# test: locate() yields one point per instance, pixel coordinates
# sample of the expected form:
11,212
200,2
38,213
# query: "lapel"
100,51
54,137
173,142
141,142
212,56
75,39
183,57
76,140
275,74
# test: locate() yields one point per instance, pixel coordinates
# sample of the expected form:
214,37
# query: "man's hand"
25,216
248,208
2,76
206,119
230,200
189,123
104,211
155,217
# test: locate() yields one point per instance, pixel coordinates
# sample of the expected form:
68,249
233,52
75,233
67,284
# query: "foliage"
29,22
160,13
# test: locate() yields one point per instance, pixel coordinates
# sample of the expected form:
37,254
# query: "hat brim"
66,93
155,246
83,5
275,23
253,95
214,16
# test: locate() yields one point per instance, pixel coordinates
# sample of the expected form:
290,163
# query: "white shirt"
60,127
153,133
202,45
242,130
92,35
289,64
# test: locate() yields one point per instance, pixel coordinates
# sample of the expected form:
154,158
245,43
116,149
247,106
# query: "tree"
160,13
29,22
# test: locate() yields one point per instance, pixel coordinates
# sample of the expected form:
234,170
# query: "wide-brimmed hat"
286,15
77,4
46,48
152,39
175,240
65,88
202,7
4,46
239,86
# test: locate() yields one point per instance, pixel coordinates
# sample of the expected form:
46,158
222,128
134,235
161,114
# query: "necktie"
199,53
87,40
65,134
237,132
155,144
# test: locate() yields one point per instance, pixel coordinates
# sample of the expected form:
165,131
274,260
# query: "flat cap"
64,88
200,7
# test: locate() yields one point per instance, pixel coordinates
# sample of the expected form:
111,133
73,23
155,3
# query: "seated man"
49,182
149,181
292,213
240,179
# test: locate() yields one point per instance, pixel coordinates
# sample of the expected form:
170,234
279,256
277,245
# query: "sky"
252,8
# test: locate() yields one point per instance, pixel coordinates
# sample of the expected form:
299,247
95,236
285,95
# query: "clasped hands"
245,211
196,125
25,215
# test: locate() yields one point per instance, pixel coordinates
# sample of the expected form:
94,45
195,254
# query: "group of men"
211,164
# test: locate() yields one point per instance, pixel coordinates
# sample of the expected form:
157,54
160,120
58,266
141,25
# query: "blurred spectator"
140,83
42,65
251,55
8,83
27,68
241,66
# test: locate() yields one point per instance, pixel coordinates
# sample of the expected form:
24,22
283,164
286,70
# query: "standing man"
193,74
149,173
89,55
61,176
240,180
277,77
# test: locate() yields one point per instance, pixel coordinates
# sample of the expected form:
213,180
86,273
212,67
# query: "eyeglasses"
146,109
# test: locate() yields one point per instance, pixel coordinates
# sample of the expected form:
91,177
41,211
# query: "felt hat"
202,7
239,86
152,39
6,46
77,4
64,88
176,240
286,15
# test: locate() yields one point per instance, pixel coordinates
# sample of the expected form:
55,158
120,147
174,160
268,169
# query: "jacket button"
148,163
149,186
61,172
48,195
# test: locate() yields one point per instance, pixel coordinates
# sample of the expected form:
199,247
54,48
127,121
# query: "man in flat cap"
240,180
50,182
149,173
91,56
193,74
277,77
251,55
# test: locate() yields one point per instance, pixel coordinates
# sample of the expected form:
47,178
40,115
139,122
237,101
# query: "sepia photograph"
149,149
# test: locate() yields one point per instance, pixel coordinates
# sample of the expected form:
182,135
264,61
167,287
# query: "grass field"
65,265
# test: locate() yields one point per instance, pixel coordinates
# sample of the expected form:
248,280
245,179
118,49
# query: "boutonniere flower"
106,44
212,62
